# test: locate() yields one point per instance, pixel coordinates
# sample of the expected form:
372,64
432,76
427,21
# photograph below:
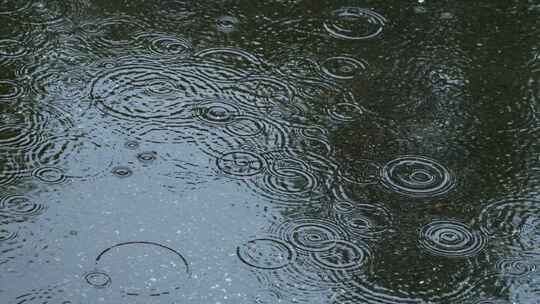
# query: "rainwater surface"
265,152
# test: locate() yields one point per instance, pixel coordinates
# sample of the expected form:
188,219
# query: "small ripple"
142,92
289,179
114,32
517,219
10,90
363,220
353,23
344,111
21,206
343,256
6,235
227,24
235,58
417,176
161,44
360,171
515,267
52,294
343,67
50,175
12,7
311,235
49,12
59,83
266,253
297,66
98,279
21,128
11,48
451,239
263,93
241,164
142,268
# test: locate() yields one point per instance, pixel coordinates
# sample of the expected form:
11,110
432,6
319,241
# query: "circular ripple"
312,235
98,279
343,256
353,23
241,163
216,112
515,267
451,239
343,67
18,205
122,172
50,175
10,48
266,253
417,176
9,89
143,268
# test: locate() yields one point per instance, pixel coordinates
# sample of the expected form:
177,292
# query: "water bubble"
311,235
50,175
353,23
451,239
18,205
132,145
142,268
122,172
241,163
417,176
98,279
216,112
266,253
343,67
147,157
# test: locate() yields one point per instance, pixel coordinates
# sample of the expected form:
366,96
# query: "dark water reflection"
269,152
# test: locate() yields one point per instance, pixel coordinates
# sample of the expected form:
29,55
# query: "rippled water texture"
263,152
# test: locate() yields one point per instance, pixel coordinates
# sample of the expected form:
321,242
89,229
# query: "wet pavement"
265,152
